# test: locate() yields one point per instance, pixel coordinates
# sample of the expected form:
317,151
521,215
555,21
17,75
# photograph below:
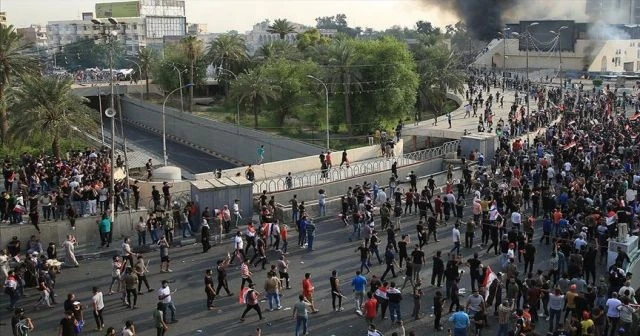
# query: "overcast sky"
240,15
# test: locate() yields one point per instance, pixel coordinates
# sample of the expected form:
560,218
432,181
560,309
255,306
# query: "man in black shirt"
437,270
432,223
222,275
417,259
67,324
364,256
155,196
402,248
475,271
136,194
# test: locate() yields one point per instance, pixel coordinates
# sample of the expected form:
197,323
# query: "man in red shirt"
307,291
369,308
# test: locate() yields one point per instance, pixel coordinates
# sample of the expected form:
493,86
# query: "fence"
317,177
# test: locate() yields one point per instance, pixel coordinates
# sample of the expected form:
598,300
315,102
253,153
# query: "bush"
597,82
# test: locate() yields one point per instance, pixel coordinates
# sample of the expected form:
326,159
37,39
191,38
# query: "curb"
190,144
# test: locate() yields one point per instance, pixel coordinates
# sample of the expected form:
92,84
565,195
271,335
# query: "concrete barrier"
433,168
271,170
86,231
235,144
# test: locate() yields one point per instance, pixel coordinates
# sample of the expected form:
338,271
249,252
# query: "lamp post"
140,74
164,124
110,38
180,82
560,56
238,102
326,92
503,33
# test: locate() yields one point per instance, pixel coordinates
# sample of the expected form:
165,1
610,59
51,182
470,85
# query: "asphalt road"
333,251
192,160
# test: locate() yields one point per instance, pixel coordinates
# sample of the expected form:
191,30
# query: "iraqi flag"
242,295
489,276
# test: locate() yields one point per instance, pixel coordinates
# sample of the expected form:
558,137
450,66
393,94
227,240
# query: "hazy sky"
240,15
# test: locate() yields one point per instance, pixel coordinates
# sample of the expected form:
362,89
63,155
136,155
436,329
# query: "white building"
617,56
147,26
258,36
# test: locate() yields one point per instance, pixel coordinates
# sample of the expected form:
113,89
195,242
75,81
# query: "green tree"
175,57
50,109
342,75
254,88
227,51
294,86
439,70
281,27
146,58
194,51
388,84
278,49
14,63
338,22
310,38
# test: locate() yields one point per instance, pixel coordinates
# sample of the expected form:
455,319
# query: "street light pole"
164,124
326,92
238,102
528,89
559,37
504,57
180,79
110,38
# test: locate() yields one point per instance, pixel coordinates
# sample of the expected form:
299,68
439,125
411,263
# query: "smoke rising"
487,17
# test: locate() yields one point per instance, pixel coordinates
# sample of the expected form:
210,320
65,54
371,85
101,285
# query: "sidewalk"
459,123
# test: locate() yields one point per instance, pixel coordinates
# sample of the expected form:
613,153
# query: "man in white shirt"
164,295
567,167
236,212
579,243
238,245
516,220
455,234
382,197
632,292
613,314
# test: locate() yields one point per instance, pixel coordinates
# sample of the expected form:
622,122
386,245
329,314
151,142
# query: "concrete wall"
308,163
309,195
517,59
334,190
86,230
238,144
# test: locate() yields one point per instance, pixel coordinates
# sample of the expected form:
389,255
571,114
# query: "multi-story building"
140,23
609,11
197,29
258,36
36,35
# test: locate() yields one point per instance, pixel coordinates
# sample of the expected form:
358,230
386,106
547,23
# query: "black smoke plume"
484,18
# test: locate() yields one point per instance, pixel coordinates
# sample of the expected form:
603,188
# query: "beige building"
617,56
258,35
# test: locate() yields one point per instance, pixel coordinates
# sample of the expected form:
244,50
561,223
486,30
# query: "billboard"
117,9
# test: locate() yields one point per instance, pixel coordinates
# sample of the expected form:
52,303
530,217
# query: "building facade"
146,24
259,36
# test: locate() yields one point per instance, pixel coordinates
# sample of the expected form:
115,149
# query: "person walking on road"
359,284
301,315
260,153
252,302
336,293
308,290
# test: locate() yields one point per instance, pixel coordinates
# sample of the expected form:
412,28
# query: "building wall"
617,56
581,59
237,143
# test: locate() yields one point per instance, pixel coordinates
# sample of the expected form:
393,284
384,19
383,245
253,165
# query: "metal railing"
336,173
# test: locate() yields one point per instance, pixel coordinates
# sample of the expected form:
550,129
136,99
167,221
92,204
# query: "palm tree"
14,62
145,57
254,88
51,109
439,73
281,27
278,49
343,75
194,50
227,50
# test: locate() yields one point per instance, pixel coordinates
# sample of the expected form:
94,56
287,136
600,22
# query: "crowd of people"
570,186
